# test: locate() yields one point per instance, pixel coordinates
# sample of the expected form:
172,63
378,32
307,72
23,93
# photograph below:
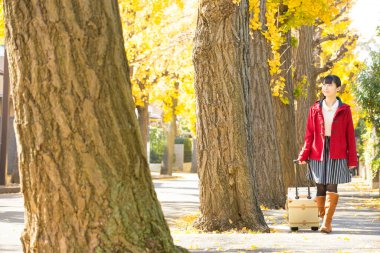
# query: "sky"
365,16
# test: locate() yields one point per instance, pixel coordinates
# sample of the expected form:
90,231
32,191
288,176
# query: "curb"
9,189
164,177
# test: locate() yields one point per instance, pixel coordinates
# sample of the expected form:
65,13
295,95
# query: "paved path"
356,224
11,222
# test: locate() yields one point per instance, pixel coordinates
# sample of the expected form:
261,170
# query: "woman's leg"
321,198
321,190
332,188
330,206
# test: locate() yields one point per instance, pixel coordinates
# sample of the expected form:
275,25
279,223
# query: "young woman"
330,148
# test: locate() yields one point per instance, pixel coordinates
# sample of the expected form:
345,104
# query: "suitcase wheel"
294,228
314,228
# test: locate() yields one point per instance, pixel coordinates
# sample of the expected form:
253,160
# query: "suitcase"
302,207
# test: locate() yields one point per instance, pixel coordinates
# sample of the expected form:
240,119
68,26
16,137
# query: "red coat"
342,140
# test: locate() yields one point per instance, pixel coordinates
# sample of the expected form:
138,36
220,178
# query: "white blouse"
328,115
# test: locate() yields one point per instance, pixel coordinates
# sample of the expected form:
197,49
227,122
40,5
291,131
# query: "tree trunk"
304,80
167,168
194,166
168,159
227,197
143,118
265,151
285,121
85,180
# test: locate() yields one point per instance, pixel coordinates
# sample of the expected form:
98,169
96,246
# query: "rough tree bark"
168,159
305,80
266,157
227,197
285,121
85,180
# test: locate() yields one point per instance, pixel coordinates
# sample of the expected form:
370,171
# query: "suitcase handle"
308,187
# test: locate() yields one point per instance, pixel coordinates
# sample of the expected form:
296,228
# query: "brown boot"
321,205
330,206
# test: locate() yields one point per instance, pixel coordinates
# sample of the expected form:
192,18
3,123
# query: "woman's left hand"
352,167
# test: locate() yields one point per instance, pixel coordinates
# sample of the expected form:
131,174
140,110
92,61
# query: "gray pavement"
11,222
356,223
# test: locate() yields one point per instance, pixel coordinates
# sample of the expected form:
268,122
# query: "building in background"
12,161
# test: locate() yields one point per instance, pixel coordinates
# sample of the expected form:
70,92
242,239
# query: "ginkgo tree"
174,91
158,42
281,17
321,39
335,46
275,20
326,46
325,17
81,150
142,24
158,47
311,24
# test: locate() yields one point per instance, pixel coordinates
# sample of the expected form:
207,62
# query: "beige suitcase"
302,208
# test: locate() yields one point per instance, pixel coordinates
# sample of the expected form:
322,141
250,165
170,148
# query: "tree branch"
329,37
340,54
343,10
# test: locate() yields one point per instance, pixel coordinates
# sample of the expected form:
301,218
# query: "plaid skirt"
329,171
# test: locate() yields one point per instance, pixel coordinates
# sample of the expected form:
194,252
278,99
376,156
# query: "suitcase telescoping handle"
297,183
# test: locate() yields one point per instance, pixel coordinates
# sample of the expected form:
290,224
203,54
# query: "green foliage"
188,151
368,146
187,148
367,91
294,41
360,131
179,140
299,87
157,139
375,164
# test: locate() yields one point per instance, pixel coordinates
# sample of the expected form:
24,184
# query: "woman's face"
329,89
